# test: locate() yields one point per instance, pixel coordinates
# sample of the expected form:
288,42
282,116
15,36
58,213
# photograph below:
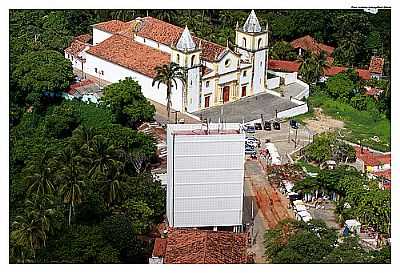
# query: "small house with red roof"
308,43
196,246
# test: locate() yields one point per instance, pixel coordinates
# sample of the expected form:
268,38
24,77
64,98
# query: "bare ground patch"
322,123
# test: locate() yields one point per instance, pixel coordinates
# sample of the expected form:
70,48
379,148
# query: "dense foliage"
328,146
127,102
297,242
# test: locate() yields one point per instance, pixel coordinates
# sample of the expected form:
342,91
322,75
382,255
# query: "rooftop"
293,66
194,246
169,34
372,159
209,132
123,51
78,44
385,174
376,65
112,26
309,43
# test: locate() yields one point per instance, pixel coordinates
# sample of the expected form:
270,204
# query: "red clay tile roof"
376,65
308,43
385,174
160,246
73,88
167,34
125,52
84,38
193,246
293,66
78,44
112,26
283,66
372,159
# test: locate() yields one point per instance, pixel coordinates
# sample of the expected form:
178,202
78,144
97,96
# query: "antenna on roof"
237,25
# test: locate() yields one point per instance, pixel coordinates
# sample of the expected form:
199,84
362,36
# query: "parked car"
251,143
249,150
294,124
277,125
258,126
267,125
251,138
250,129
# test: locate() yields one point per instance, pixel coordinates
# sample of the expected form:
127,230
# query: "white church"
215,74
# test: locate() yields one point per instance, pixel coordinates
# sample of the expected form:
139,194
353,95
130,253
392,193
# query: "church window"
177,58
72,58
259,43
207,83
191,82
245,73
193,59
95,70
244,42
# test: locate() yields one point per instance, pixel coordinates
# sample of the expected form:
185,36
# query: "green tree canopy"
41,73
340,86
129,106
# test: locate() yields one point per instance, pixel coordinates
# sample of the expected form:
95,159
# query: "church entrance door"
225,93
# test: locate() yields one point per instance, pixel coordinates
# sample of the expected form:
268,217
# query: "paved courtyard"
248,108
291,90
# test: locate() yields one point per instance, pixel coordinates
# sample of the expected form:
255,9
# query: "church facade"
215,74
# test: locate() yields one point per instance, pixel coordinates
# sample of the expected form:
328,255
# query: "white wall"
259,71
273,83
99,36
301,109
114,73
227,78
205,178
233,63
290,78
193,99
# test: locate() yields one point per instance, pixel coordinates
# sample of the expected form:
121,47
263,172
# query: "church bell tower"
187,54
252,44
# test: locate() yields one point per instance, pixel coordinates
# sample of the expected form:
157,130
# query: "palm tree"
28,233
70,177
40,176
168,74
103,154
321,64
113,183
83,137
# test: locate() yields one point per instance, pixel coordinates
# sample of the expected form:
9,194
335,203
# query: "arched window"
243,42
259,42
193,58
177,58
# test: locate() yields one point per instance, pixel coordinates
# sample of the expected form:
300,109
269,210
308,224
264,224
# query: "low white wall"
290,78
306,91
273,83
301,109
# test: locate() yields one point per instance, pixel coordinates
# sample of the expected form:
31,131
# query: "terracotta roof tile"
293,66
372,91
112,26
78,44
385,174
372,159
376,65
125,52
167,34
284,66
193,246
309,43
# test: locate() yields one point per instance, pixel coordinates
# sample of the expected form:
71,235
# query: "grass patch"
93,115
359,125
